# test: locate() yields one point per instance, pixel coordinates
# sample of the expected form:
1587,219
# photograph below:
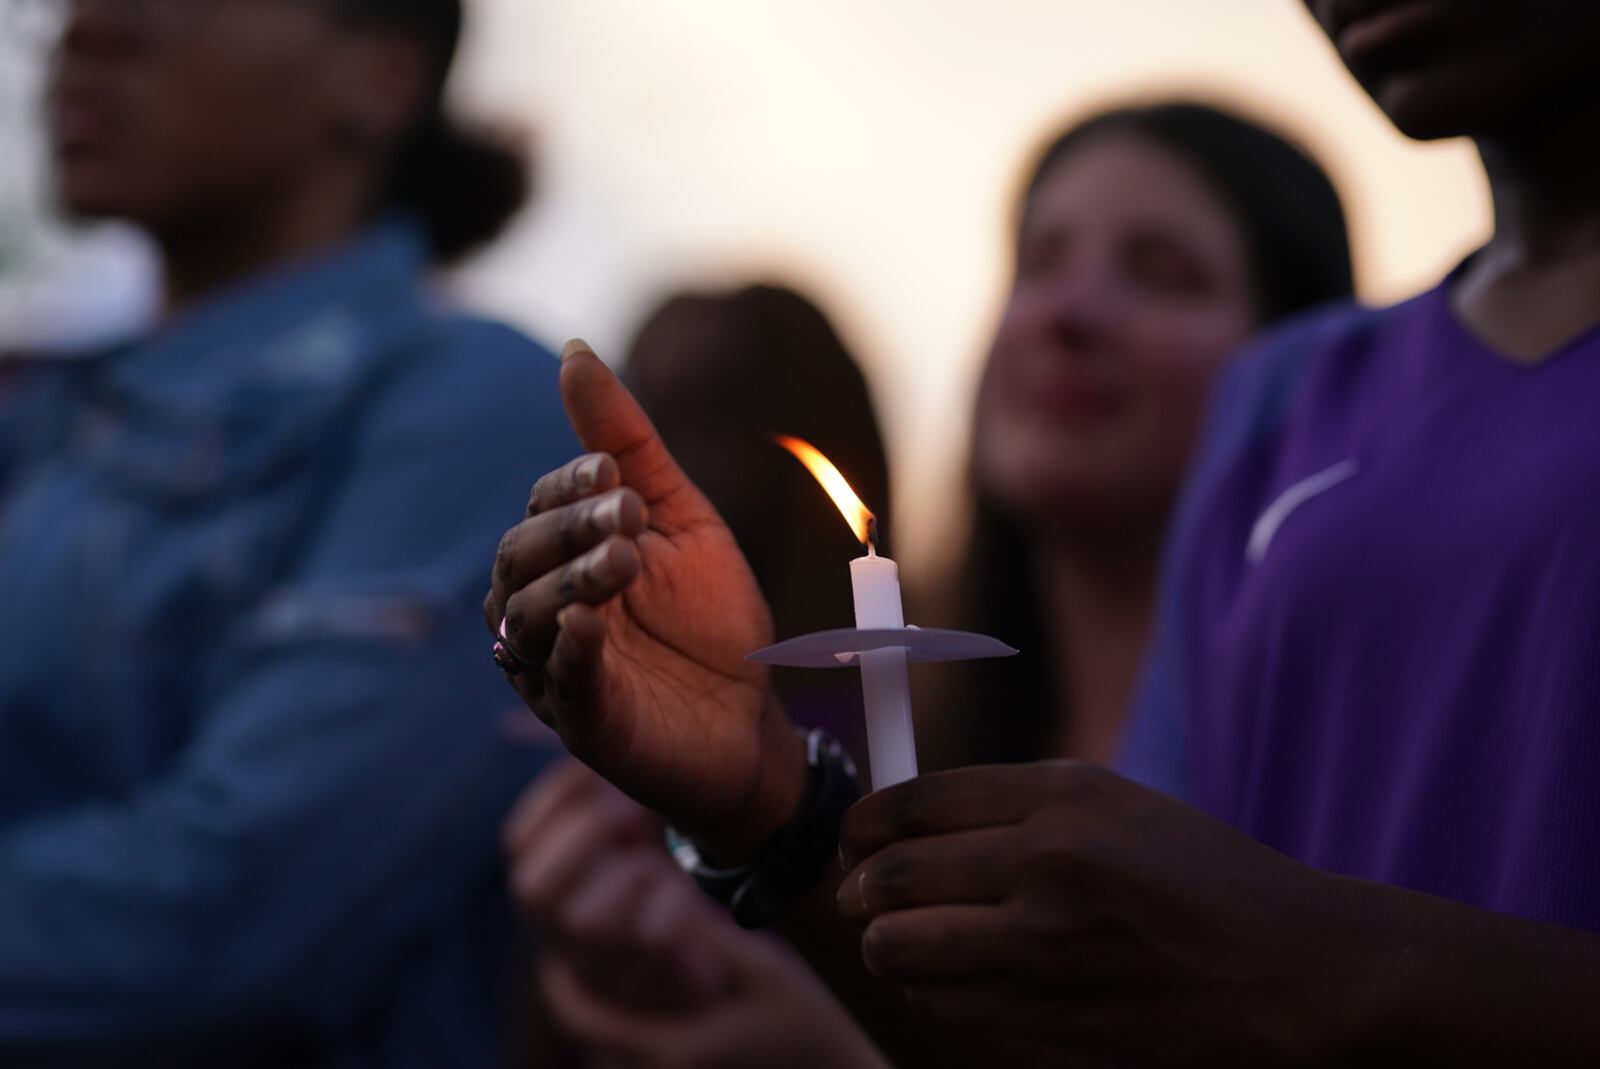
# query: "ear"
384,83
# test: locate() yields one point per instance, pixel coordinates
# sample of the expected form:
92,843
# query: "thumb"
608,419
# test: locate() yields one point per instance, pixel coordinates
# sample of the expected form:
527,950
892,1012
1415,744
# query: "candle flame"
857,515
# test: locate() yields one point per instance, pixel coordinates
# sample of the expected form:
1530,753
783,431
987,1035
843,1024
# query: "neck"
1098,599
205,254
1535,286
1545,186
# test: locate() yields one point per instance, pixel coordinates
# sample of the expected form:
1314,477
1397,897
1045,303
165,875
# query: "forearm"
1428,978
295,846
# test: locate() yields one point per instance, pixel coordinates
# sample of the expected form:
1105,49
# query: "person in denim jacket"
253,753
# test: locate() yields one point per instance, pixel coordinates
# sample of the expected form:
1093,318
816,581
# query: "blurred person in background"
251,763
1376,658
1153,242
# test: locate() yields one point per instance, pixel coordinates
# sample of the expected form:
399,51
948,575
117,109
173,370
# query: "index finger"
586,476
958,800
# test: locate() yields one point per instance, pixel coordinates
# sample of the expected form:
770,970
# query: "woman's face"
168,110
1133,285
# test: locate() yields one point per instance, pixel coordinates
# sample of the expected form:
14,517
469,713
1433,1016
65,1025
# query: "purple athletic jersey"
1380,648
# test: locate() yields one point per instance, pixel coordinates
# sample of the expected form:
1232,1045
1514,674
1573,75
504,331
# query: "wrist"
1325,972
795,857
1352,972
774,799
1446,982
1396,968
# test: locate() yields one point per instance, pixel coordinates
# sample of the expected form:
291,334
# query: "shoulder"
478,378
484,363
1251,405
488,342
1307,359
435,462
1258,390
1258,396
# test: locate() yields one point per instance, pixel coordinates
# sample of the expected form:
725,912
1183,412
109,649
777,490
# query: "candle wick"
872,536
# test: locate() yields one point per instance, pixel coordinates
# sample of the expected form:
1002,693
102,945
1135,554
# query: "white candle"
885,684
875,581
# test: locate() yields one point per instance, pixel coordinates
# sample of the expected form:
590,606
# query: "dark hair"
1294,225
462,186
774,364
1294,228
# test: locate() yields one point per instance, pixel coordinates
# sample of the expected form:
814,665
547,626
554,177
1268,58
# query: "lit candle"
885,686
875,582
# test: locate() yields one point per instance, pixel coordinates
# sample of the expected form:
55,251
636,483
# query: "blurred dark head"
178,115
719,374
1153,242
1479,68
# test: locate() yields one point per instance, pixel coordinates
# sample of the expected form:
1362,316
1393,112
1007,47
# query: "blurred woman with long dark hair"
1152,242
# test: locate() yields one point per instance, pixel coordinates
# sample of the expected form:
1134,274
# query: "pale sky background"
869,150
866,150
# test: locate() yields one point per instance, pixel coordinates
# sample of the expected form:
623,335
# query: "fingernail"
599,565
502,627
561,617
844,859
573,348
861,890
588,473
608,515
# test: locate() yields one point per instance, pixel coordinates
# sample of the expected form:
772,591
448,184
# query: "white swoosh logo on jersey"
1266,527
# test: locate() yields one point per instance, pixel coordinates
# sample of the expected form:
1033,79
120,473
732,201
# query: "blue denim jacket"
253,751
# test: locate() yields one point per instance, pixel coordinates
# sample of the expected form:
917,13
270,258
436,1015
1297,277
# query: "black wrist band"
790,862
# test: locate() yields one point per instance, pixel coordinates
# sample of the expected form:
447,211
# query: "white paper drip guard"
841,647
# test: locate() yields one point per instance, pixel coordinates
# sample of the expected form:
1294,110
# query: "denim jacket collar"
252,379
